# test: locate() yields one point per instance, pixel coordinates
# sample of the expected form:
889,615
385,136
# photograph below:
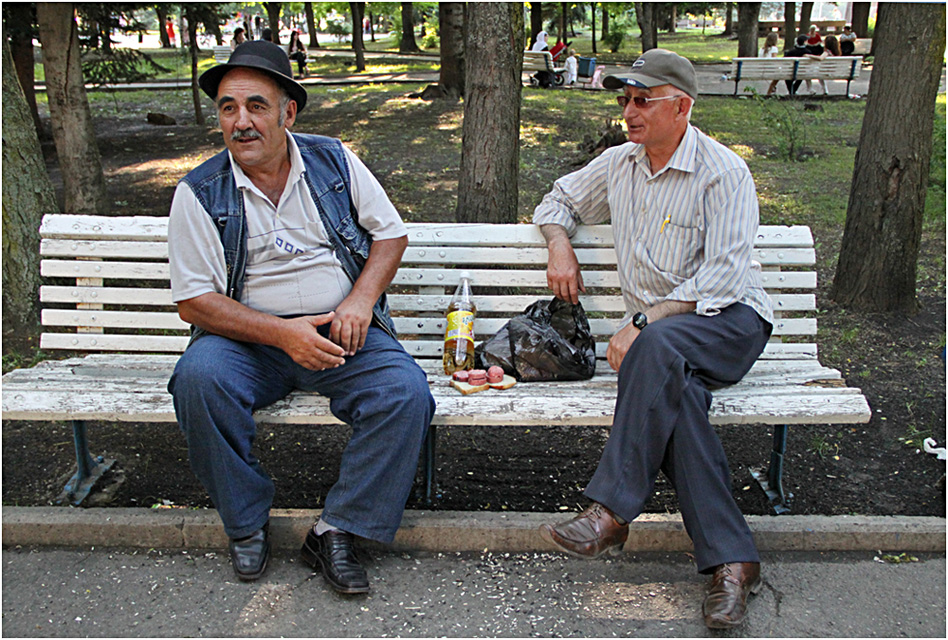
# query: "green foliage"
120,65
783,118
338,26
432,38
618,30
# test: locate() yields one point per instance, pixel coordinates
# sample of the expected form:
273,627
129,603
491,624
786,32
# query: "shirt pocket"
675,250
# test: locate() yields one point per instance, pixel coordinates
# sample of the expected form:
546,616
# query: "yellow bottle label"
460,326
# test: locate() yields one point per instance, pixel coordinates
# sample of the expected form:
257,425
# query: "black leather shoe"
332,553
249,555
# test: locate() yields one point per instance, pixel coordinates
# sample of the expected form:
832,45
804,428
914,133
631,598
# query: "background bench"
222,52
110,298
835,68
543,61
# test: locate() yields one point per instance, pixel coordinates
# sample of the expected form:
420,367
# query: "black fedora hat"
263,56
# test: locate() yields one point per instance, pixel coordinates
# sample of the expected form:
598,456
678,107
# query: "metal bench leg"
771,481
88,469
428,462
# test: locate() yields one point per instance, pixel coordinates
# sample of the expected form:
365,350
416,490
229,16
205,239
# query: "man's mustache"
245,133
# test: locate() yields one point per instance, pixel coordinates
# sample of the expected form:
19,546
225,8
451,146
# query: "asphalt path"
49,592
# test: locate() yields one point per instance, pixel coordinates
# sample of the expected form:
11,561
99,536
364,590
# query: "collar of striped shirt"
682,160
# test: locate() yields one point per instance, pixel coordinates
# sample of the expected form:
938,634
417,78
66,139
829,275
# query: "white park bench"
833,68
109,298
534,61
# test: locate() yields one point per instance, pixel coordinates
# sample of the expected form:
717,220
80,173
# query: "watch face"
639,320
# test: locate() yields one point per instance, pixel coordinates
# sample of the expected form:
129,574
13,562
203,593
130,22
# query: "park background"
801,154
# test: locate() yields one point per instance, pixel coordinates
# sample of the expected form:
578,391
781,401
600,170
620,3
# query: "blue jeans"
661,423
380,392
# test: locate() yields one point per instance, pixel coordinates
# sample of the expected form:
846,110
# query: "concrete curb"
456,530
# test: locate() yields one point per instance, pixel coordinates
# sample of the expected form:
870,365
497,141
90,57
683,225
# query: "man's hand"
300,340
620,345
562,271
351,325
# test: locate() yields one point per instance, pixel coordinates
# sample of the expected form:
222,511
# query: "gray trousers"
661,424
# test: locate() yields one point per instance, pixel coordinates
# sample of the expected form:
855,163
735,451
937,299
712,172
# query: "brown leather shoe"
589,534
726,604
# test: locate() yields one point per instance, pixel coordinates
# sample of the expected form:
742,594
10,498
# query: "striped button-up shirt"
685,233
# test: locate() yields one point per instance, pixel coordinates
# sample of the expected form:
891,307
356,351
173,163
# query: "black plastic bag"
550,340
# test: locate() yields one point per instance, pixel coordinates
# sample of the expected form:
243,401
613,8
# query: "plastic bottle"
459,333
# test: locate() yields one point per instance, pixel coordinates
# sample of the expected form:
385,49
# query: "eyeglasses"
643,103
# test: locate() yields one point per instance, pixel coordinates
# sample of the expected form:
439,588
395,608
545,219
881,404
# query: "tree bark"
536,21
806,10
311,25
18,27
451,19
27,195
563,11
747,15
73,133
490,147
592,6
878,258
648,25
728,19
273,18
407,43
162,12
605,19
860,20
357,9
193,54
789,25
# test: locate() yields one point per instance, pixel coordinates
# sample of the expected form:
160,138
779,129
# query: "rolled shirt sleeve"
581,197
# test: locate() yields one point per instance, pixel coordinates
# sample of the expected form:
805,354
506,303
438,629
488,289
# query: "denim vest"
327,178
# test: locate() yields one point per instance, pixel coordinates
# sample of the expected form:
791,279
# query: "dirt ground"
866,469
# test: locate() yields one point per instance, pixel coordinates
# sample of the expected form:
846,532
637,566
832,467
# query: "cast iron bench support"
771,481
88,469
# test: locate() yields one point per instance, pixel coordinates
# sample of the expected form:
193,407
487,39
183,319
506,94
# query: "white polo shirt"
291,268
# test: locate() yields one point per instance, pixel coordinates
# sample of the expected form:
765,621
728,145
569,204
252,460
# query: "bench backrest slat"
117,296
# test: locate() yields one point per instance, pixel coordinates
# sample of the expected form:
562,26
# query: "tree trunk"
371,26
451,19
645,15
605,19
789,25
860,20
273,18
162,12
407,43
490,147
27,195
18,27
83,181
311,25
878,257
196,92
747,15
213,25
592,6
806,10
536,21
357,9
728,19
563,11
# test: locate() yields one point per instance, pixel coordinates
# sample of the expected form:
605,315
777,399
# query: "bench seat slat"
155,229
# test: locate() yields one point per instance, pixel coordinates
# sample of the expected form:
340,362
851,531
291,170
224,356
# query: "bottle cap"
465,275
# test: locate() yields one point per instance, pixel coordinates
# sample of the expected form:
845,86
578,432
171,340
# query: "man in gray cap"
684,214
281,247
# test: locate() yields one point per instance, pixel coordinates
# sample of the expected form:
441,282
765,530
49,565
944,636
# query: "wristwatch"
639,320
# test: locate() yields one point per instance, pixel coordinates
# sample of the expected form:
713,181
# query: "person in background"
541,43
266,35
830,49
684,214
543,78
770,50
799,50
238,38
297,52
847,40
169,29
572,68
814,42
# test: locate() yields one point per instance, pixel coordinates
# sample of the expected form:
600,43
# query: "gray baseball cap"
656,67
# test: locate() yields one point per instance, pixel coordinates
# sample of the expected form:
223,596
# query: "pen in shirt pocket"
664,222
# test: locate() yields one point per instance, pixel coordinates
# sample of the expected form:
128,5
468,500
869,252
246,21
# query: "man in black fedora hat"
281,247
